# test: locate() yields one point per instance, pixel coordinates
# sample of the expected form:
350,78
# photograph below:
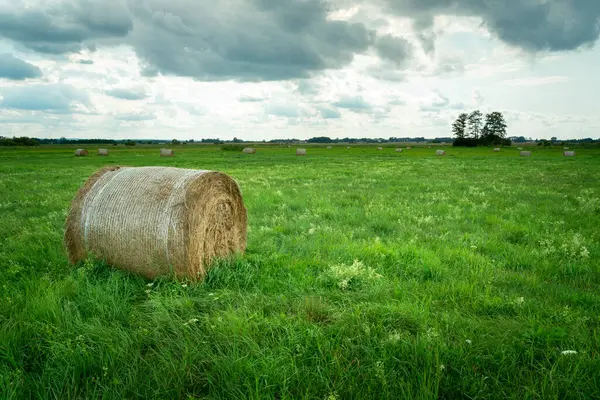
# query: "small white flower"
150,284
148,291
311,231
442,367
468,341
568,352
520,300
184,285
211,294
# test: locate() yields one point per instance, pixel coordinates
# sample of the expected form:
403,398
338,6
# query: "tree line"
471,130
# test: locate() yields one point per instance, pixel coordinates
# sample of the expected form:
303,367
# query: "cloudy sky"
265,69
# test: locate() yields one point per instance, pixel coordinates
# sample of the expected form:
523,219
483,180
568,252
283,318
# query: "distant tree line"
19,141
470,130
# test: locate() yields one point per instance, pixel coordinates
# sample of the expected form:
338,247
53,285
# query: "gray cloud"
533,25
53,98
393,48
353,103
66,26
135,93
283,110
329,113
16,69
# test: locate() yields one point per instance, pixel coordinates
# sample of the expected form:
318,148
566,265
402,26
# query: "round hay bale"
440,152
408,148
329,147
102,152
156,220
249,150
81,152
525,154
519,148
380,148
166,153
497,149
348,147
300,152
569,153
398,150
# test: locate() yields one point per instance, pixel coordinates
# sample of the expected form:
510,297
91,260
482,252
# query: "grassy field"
368,274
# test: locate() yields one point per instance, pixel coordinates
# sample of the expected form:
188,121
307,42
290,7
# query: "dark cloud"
137,93
53,98
16,69
533,25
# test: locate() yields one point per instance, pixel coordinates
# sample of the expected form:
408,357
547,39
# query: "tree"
495,126
174,141
459,126
474,124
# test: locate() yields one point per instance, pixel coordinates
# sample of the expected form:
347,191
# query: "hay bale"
496,149
166,153
428,147
329,147
399,150
380,148
519,148
102,152
408,148
81,152
157,220
440,152
347,147
249,150
525,154
300,152
569,153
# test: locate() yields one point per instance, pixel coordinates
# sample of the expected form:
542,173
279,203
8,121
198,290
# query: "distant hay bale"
569,153
380,148
102,152
347,147
166,153
249,150
157,220
440,152
565,148
329,147
300,152
519,148
525,154
497,149
81,152
399,150
408,148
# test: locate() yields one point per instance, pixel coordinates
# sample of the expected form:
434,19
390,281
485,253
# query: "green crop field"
368,274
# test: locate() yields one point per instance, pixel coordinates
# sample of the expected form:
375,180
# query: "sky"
269,69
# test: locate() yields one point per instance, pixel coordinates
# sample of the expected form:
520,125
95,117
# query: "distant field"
368,274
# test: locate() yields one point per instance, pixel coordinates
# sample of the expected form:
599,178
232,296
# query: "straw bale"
166,153
440,152
569,153
249,150
399,150
525,154
300,152
102,152
81,152
408,148
329,147
380,148
497,149
519,148
154,221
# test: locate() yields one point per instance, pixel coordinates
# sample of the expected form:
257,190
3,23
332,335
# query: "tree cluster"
18,141
471,130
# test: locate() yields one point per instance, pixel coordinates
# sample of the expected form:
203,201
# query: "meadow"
368,274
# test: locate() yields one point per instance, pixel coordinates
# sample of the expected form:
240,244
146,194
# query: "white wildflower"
442,367
468,341
150,284
568,352
520,300
184,285
311,231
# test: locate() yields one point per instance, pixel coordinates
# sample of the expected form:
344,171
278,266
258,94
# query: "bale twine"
102,152
569,154
399,150
166,153
497,149
81,152
380,148
249,150
157,220
300,152
525,154
440,152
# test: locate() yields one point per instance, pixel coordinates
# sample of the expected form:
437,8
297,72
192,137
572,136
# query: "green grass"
368,274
